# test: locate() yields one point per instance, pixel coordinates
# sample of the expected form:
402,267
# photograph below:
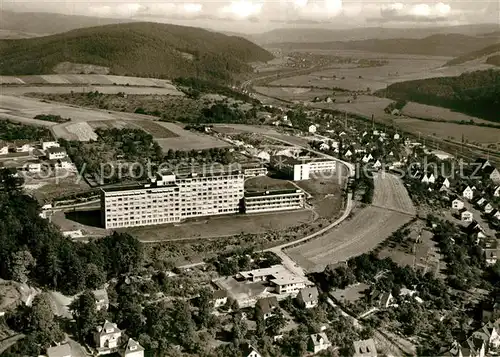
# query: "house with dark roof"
267,307
308,297
247,350
219,298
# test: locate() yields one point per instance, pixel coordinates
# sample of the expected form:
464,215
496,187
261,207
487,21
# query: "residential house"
318,342
324,147
267,307
492,173
482,163
481,202
4,148
365,348
348,153
220,298
101,299
495,214
312,129
49,144
466,216
377,164
488,208
55,153
133,349
468,193
34,166
64,163
490,249
443,181
247,350
59,351
22,146
496,192
107,338
428,178
308,297
396,136
367,158
386,300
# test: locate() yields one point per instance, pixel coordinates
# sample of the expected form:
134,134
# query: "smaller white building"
312,129
56,153
496,192
457,204
468,193
488,208
49,144
466,216
220,298
318,342
4,148
34,166
133,349
107,338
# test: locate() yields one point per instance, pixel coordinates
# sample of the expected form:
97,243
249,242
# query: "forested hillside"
483,52
135,49
476,93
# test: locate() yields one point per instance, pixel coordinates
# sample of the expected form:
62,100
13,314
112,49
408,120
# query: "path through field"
391,208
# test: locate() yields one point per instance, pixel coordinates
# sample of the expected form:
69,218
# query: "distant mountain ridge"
135,49
450,45
315,35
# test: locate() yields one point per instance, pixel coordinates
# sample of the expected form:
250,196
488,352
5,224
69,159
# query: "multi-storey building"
302,169
269,201
172,198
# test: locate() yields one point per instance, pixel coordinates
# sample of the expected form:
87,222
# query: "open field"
87,79
168,135
293,93
392,207
400,68
424,111
365,105
22,90
188,140
223,226
471,133
326,195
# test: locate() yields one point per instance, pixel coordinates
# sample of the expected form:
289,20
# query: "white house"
377,164
49,144
133,349
220,298
249,351
495,214
367,158
34,166
496,192
468,193
23,146
308,297
396,136
324,147
59,351
55,153
481,202
430,178
488,208
4,148
348,153
107,338
312,129
466,216
318,342
457,204
264,156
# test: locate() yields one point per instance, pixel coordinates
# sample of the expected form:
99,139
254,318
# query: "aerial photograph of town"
249,178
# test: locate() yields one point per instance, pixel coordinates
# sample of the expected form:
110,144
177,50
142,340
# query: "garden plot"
22,90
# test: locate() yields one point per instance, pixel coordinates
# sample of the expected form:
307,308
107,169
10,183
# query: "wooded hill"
135,49
491,52
475,93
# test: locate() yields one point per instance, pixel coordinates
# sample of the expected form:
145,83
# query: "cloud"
415,12
241,9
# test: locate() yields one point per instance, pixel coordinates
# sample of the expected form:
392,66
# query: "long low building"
172,198
271,201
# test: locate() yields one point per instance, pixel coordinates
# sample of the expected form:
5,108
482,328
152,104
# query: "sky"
262,15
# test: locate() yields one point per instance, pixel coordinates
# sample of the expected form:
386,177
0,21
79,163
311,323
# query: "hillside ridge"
141,49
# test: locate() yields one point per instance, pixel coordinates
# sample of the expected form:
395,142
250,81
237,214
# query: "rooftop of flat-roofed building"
271,193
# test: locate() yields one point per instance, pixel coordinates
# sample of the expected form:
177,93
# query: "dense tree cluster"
194,87
52,118
10,131
32,248
475,93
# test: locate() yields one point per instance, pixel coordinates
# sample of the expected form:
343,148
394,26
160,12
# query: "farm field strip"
363,232
22,90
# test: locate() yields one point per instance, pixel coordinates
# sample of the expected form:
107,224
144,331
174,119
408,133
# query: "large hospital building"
175,197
